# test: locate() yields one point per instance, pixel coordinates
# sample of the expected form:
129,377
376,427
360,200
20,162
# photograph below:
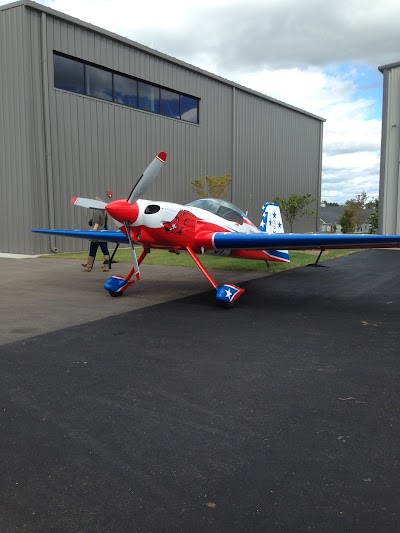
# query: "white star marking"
229,294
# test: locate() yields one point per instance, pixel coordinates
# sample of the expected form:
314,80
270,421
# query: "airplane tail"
271,222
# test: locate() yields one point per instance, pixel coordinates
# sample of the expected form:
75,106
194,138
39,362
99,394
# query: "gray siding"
16,186
64,144
278,154
97,146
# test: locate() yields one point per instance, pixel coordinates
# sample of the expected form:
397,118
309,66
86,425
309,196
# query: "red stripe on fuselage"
175,238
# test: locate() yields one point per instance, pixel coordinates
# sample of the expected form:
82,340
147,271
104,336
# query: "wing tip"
162,156
74,200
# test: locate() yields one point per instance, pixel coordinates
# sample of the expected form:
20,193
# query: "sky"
319,56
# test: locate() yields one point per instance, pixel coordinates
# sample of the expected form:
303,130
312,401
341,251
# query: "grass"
165,258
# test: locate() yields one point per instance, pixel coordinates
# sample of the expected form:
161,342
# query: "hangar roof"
389,66
165,57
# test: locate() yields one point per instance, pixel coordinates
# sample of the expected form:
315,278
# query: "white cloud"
351,139
319,56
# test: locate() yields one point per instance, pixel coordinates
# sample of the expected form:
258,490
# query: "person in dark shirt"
99,222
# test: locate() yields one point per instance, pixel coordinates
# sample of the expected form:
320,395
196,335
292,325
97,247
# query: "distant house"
330,216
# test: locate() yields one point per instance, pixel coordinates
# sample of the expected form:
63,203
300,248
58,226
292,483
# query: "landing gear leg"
116,285
226,294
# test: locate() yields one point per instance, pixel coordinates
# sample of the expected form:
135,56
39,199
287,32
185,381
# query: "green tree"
295,206
212,186
374,216
358,206
347,220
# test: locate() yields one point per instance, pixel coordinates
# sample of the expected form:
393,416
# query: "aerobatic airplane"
205,226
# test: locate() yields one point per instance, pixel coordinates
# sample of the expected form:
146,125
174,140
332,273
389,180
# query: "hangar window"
189,109
98,83
149,97
69,74
75,75
125,91
170,104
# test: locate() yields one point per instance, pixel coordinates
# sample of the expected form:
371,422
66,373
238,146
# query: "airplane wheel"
115,294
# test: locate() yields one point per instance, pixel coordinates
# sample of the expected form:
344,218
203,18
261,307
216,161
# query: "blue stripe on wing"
103,235
292,241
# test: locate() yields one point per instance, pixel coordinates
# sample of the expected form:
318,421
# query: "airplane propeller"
127,211
89,203
128,215
147,178
142,184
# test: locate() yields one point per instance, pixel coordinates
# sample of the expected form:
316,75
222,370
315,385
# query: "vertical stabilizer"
271,222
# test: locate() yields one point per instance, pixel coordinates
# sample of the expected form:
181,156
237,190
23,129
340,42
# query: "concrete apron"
43,295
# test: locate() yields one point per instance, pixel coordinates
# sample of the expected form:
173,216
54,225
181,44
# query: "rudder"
271,222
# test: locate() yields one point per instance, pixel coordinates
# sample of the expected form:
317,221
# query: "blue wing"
103,235
299,241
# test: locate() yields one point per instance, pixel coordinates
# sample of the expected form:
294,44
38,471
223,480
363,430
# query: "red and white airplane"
205,226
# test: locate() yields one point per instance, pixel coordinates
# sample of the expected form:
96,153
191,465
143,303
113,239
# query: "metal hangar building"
389,184
83,111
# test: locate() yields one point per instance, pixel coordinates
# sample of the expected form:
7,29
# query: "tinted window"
189,109
98,83
149,97
77,76
125,91
169,104
69,74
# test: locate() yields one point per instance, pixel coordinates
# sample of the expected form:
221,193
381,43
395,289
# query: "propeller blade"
134,258
147,178
90,203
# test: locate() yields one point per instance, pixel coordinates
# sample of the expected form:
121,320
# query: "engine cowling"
123,211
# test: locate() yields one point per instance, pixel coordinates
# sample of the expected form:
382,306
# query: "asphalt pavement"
171,414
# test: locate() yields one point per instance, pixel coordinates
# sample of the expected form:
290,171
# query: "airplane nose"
123,211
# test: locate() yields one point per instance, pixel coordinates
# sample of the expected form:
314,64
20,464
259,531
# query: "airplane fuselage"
172,226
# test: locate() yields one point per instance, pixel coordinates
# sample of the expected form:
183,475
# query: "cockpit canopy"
219,207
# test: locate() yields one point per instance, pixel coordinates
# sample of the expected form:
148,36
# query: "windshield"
219,207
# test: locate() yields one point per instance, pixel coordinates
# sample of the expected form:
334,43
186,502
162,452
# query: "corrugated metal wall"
278,154
389,193
95,146
16,187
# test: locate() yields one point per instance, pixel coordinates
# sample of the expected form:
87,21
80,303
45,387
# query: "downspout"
321,141
384,148
47,140
233,148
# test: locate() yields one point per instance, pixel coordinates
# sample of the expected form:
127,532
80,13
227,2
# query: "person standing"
99,222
